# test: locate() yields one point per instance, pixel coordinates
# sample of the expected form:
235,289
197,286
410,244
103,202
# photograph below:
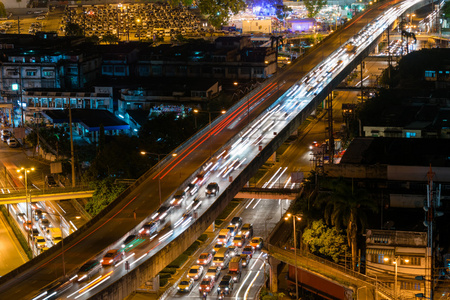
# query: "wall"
357,171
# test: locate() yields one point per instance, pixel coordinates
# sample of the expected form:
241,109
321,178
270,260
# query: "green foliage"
218,12
192,248
163,275
203,237
321,239
163,282
180,2
118,157
73,29
227,211
110,38
52,139
105,192
179,261
2,10
283,11
446,9
169,270
314,6
165,132
17,232
346,206
267,295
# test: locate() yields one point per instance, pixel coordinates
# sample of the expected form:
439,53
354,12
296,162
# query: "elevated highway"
266,193
114,223
46,196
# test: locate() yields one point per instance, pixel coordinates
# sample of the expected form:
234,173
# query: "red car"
205,259
207,285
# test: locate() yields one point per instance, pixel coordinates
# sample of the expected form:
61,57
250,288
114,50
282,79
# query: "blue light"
15,86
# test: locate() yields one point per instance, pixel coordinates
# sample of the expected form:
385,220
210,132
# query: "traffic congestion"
193,198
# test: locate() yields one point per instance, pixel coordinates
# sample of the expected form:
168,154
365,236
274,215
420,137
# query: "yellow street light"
25,172
298,218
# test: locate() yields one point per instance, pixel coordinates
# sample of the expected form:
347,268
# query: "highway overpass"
112,225
45,196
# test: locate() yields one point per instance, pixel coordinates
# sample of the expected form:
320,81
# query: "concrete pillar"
273,277
376,50
211,227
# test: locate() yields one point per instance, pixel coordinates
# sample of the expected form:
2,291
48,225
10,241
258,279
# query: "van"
224,236
222,258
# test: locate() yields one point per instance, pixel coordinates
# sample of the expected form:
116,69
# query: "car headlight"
101,261
198,261
226,289
178,288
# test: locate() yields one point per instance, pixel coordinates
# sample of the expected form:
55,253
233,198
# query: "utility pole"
71,146
389,57
330,126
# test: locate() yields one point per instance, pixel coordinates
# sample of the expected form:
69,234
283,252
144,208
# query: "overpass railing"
34,192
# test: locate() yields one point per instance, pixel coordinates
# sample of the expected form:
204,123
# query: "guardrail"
49,191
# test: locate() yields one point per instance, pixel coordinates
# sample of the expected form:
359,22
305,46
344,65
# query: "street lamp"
196,111
25,172
395,261
159,178
294,218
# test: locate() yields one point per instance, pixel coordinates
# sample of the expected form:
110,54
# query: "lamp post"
159,178
25,172
196,111
395,262
294,218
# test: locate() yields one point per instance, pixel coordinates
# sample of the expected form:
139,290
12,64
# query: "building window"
31,73
430,74
107,69
380,239
410,134
410,285
380,259
412,261
119,70
48,73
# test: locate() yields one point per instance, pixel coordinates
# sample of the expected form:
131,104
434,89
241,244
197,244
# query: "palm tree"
345,206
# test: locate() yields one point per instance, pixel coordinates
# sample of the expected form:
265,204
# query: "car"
216,247
40,17
233,229
233,250
12,142
239,240
226,285
237,221
5,137
245,260
248,250
88,270
27,225
192,188
235,275
213,272
112,257
186,285
35,231
50,181
205,259
247,230
150,228
256,243
206,285
40,241
212,189
5,132
39,214
178,198
162,213
128,241
195,272
45,223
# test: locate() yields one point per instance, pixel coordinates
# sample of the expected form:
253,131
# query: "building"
397,258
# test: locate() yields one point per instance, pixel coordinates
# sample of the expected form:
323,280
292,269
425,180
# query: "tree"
105,193
2,10
326,241
73,29
446,9
314,6
345,206
283,11
218,12
110,38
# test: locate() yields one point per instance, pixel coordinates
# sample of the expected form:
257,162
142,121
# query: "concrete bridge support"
275,268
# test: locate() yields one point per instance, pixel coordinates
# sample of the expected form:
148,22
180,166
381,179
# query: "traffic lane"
121,210
253,279
11,256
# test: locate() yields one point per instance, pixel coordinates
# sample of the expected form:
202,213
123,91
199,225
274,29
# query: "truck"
54,234
235,268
